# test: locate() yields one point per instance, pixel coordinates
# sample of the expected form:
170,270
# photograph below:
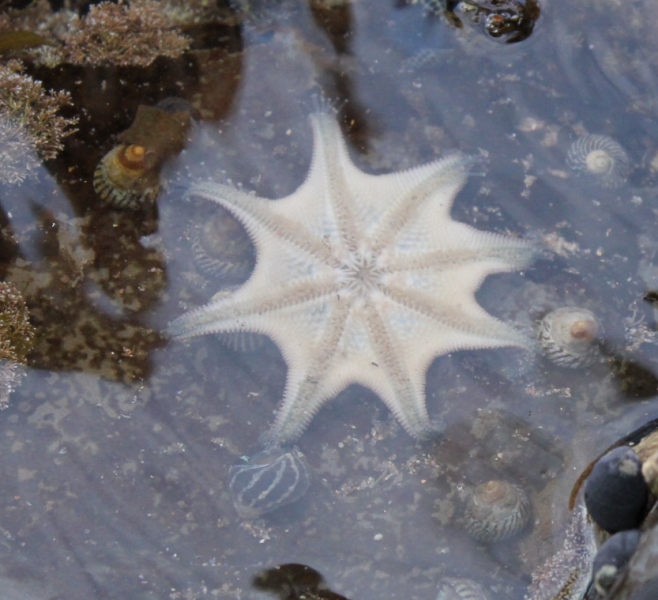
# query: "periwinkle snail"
568,336
128,176
269,480
600,159
496,510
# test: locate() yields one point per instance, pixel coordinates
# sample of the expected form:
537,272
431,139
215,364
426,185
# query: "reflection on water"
117,445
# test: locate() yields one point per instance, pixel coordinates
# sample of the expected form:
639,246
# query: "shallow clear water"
116,446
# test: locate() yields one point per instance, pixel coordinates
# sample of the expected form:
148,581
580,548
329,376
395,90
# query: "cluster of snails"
569,337
128,176
620,494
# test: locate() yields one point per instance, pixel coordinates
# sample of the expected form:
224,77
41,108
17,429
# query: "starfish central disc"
361,279
362,275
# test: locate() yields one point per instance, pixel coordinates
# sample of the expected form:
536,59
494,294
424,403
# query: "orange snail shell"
128,176
125,179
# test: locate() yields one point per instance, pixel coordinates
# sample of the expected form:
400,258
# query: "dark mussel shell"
616,493
612,557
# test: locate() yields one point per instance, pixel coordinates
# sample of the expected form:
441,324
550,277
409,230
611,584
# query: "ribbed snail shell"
456,588
569,335
496,510
269,480
124,178
221,247
601,158
128,176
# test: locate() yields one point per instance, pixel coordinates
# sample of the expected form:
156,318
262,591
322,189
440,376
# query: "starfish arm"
417,216
501,253
454,322
244,311
401,387
306,389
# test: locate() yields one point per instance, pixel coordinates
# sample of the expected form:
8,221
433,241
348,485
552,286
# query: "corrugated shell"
455,588
568,336
124,179
269,480
600,158
221,246
496,510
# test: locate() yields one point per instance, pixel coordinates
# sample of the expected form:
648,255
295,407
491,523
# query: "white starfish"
361,279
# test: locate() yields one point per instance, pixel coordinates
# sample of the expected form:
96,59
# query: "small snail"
221,247
599,158
456,588
569,335
496,510
267,481
128,176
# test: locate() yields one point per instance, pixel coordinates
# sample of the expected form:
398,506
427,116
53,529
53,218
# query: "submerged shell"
456,588
569,336
600,158
496,510
128,176
615,492
125,178
221,246
269,480
613,556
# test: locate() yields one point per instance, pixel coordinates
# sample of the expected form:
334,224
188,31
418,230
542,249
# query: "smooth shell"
267,481
456,588
496,510
647,591
125,179
613,556
615,492
221,247
568,336
600,158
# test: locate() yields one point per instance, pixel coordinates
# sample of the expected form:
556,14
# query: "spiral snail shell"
267,481
496,510
569,335
221,247
125,177
457,588
128,176
600,158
